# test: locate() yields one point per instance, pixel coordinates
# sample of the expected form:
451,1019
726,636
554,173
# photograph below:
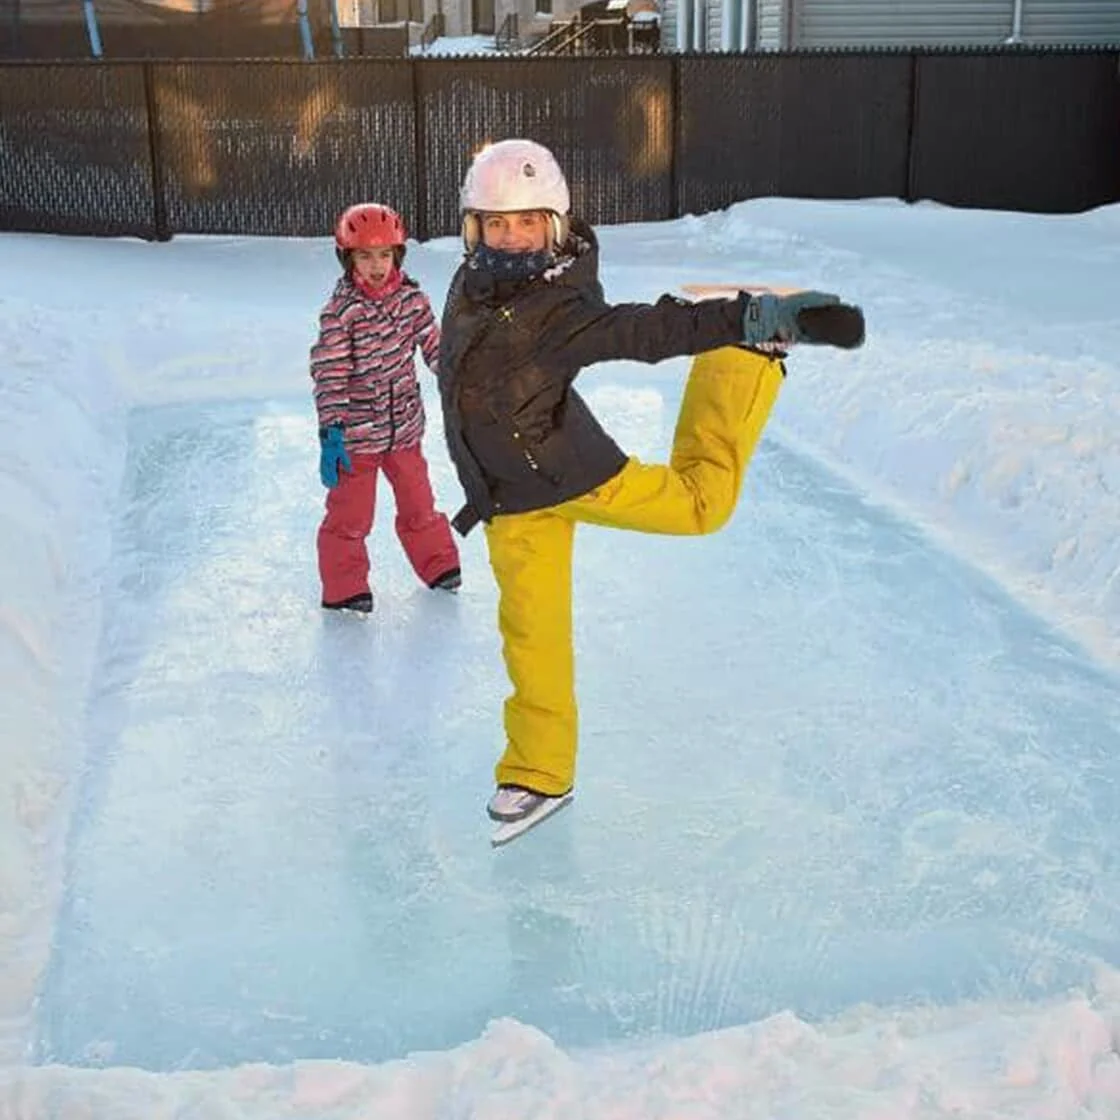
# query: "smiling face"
522,231
374,266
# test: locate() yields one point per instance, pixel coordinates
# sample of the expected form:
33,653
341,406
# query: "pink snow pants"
425,534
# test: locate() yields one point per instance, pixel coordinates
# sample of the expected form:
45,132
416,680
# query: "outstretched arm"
644,332
672,327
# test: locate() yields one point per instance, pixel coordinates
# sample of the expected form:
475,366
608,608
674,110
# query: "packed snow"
844,839
457,44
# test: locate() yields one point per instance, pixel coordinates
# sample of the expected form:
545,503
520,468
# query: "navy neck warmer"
503,265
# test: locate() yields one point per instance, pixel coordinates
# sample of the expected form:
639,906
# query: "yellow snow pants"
726,404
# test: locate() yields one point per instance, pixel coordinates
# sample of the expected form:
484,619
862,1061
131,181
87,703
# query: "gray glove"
773,318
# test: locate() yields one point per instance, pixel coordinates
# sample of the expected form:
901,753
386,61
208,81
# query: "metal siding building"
722,25
774,24
899,23
1071,21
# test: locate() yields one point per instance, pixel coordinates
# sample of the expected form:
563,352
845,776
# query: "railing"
558,31
433,30
507,38
572,37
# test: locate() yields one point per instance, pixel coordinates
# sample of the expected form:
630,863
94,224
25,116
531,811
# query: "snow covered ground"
865,741
457,44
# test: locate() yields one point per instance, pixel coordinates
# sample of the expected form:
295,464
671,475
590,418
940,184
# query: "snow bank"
985,402
1042,1062
61,455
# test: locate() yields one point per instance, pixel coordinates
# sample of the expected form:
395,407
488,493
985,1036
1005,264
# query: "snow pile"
61,456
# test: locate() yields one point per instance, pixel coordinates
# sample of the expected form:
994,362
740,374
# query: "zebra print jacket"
362,363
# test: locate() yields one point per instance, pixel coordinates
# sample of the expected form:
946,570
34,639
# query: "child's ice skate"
451,580
362,603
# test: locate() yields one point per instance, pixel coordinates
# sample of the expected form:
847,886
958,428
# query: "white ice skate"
516,810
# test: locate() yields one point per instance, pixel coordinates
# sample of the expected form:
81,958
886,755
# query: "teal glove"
332,453
773,318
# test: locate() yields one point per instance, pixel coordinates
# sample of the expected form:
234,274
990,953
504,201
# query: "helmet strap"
560,228
472,231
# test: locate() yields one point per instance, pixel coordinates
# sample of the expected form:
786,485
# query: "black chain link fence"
75,153
279,147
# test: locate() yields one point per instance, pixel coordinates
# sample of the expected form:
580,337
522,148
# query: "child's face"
523,231
373,266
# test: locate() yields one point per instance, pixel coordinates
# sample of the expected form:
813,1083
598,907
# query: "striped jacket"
362,365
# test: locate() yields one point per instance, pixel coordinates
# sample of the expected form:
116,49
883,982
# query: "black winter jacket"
520,436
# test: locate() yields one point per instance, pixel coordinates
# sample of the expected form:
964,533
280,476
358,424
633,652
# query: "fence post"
420,145
336,32
910,187
155,155
675,136
788,28
305,29
750,31
1016,21
92,29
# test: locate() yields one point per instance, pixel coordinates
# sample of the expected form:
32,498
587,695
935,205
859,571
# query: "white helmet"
514,175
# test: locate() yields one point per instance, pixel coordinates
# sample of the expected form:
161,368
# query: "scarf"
392,283
503,265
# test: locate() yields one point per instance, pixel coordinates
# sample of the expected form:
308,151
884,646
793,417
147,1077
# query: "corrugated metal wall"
694,25
836,23
1071,21
895,23
713,12
669,25
769,24
727,23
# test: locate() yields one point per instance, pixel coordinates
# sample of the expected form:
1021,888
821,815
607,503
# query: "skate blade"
505,831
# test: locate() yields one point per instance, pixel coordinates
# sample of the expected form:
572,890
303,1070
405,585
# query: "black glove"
812,317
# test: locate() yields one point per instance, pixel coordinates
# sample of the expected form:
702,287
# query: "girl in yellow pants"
524,315
726,404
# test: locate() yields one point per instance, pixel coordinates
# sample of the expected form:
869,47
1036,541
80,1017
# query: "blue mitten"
332,453
774,318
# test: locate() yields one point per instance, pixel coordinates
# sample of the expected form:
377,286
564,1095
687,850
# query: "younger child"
371,416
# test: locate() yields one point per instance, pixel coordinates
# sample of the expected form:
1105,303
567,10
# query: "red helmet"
369,225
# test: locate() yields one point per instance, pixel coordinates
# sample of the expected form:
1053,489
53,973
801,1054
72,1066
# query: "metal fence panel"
181,35
74,150
281,147
795,125
1031,131
609,122
210,39
43,41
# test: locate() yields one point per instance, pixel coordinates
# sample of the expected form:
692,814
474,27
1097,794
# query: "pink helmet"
369,225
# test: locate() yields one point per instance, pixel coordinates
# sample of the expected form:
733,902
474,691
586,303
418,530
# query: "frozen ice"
844,833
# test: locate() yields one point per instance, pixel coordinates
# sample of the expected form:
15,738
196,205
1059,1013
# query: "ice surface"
862,773
840,793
